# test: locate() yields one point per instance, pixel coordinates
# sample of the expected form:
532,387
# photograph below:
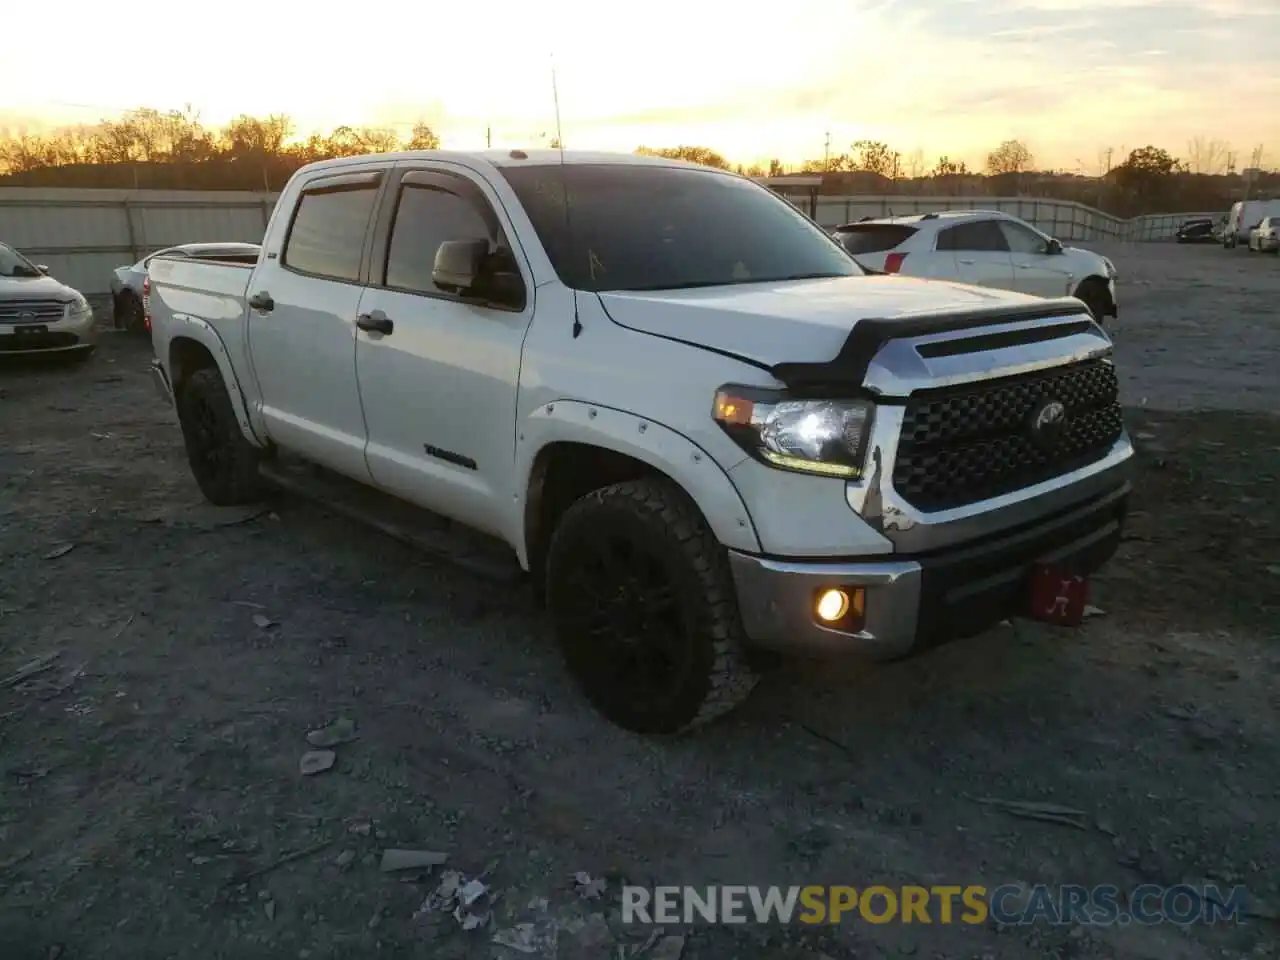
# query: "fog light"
840,607
832,605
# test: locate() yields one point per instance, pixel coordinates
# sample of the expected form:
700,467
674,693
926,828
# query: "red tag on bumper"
1058,596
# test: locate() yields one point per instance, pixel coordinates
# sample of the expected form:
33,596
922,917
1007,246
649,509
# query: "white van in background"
1244,216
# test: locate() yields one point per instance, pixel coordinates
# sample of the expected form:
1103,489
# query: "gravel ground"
151,774
1199,326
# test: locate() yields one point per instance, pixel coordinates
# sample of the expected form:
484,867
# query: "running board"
420,529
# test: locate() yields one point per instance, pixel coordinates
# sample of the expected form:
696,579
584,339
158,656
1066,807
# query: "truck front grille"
960,445
31,311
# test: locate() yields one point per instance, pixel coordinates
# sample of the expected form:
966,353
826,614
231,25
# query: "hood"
798,320
25,288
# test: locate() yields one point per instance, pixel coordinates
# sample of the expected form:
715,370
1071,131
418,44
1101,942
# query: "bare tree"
423,138
1012,156
914,164
1207,155
946,167
876,157
1105,155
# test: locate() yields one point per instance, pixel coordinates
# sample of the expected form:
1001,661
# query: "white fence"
1063,219
84,234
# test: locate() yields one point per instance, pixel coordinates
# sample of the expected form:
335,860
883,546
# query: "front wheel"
644,609
1093,293
223,462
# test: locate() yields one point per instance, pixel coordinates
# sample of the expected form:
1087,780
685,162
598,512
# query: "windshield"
640,227
872,237
14,264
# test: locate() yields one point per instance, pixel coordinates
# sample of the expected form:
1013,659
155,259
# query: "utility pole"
488,137
826,152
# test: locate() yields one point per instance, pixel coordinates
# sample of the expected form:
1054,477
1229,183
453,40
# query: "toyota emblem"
1047,423
26,315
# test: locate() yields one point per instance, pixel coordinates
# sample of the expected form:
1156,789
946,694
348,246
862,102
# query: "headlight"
78,306
1111,267
827,437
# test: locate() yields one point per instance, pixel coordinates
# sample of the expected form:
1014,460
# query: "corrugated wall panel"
166,226
83,234
62,226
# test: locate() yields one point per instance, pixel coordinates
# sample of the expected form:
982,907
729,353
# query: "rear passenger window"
426,216
328,230
979,235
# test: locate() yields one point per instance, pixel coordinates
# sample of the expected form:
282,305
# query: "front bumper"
920,601
74,335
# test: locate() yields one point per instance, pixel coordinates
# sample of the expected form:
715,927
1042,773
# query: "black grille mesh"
965,444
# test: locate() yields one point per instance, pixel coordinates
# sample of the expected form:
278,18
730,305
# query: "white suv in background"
985,248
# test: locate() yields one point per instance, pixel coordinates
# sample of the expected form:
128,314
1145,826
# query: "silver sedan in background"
1265,237
126,282
38,314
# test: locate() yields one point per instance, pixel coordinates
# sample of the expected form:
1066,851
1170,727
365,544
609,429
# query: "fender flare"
186,327
665,450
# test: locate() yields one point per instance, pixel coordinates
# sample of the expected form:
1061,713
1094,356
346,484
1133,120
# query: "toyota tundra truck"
676,405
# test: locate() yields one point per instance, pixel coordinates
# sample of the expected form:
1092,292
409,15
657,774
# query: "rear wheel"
128,313
644,609
223,462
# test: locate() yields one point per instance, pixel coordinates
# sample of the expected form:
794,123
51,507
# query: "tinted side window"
328,230
981,235
1020,239
426,216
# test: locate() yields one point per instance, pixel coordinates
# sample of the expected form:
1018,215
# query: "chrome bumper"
776,600
924,600
161,381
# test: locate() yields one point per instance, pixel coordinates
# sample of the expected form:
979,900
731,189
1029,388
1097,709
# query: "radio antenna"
564,193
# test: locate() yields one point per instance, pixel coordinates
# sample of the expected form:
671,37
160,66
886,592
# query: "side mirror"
42,267
1053,247
468,269
458,264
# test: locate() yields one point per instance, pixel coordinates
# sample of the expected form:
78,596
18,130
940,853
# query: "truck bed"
209,289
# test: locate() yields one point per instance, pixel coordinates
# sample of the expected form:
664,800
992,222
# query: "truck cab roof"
510,158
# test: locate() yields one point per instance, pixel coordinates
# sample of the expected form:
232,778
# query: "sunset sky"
1069,77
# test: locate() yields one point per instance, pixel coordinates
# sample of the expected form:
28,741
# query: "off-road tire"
657,518
223,462
1094,295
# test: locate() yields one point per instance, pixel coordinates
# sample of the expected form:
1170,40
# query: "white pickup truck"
681,408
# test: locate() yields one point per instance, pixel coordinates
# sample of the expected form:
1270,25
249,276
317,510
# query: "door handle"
1024,266
375,322
967,261
262,301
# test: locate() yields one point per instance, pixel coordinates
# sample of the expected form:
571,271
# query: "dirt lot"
151,774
